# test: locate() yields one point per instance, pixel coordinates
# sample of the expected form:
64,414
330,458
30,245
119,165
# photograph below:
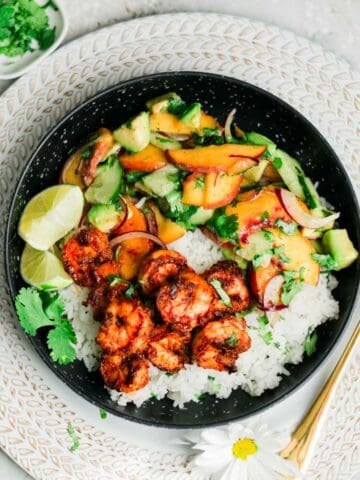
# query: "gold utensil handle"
306,434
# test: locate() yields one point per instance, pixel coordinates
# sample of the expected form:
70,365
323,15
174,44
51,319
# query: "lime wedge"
43,269
50,215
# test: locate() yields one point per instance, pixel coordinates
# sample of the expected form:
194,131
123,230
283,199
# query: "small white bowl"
12,67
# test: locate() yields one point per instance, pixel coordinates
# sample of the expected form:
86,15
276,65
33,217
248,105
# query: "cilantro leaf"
200,181
225,226
277,163
325,261
261,259
33,314
264,216
232,340
243,313
269,236
30,311
280,253
310,344
263,330
103,414
290,287
60,341
75,439
289,228
131,290
221,292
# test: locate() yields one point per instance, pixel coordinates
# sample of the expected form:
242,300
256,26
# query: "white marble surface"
334,24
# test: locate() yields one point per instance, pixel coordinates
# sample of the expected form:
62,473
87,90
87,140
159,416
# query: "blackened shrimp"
184,303
123,372
100,296
127,324
218,344
168,350
159,267
231,280
88,258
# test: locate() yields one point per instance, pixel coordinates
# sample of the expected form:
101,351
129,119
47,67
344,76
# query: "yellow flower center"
243,448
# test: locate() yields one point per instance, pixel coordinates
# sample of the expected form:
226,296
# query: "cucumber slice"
201,216
255,173
161,103
107,183
134,135
163,142
162,181
258,139
289,170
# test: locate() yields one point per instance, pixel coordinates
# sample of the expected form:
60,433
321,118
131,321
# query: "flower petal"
215,436
279,465
235,471
211,462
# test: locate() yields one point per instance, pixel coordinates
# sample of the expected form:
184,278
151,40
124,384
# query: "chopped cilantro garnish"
199,396
243,313
154,396
264,216
114,280
325,261
269,236
290,287
263,330
133,176
289,228
176,106
261,259
277,163
221,292
310,344
24,27
309,199
209,136
131,290
200,181
32,315
103,414
225,226
232,340
75,439
280,253
211,378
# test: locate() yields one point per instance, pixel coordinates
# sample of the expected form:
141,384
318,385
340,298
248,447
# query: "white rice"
259,369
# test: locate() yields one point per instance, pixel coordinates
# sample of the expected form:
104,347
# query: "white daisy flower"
238,452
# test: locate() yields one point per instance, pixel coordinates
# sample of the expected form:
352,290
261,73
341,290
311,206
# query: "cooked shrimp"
87,257
219,343
127,324
185,302
168,350
123,372
159,267
100,295
232,282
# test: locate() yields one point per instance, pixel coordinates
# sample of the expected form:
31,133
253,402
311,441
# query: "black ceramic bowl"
257,110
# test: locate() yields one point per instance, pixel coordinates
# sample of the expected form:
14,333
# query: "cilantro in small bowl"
29,30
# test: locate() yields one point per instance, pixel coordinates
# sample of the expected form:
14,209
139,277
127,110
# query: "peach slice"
168,123
213,158
241,165
256,209
220,189
207,121
147,160
167,230
194,190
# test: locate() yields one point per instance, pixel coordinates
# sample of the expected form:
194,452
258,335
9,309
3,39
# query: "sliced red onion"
141,202
304,219
179,137
227,128
137,234
151,220
272,294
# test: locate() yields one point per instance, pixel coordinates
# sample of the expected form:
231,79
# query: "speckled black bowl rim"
84,393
